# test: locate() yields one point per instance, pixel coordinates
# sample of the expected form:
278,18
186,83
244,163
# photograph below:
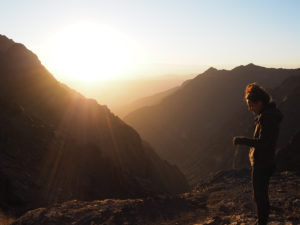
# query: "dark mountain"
194,126
288,158
56,145
224,198
151,100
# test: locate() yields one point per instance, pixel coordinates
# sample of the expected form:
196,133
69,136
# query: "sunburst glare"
90,52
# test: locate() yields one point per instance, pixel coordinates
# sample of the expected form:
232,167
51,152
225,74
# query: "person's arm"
265,134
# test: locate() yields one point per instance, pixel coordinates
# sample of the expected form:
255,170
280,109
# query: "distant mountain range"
193,126
151,100
146,101
57,145
121,95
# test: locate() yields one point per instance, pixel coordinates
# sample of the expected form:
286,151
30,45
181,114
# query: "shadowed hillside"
194,126
147,101
56,145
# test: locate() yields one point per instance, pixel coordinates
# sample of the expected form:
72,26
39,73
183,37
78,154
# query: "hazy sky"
177,35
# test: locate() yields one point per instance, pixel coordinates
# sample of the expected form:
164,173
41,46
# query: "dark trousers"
260,182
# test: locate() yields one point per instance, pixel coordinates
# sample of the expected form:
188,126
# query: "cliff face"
56,145
194,126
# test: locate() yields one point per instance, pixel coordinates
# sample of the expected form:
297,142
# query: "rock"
214,221
221,205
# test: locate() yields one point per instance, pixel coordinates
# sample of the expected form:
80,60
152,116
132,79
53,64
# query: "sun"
90,52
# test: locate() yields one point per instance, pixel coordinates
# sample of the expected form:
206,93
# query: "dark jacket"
263,143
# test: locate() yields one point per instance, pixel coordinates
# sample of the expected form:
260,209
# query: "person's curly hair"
255,93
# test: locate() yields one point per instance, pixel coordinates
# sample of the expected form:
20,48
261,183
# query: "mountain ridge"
204,113
85,151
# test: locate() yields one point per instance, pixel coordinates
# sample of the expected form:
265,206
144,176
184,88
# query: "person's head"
256,97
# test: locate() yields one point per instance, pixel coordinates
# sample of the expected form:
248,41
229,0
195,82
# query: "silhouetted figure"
262,145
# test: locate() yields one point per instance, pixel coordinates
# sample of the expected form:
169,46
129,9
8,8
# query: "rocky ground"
224,198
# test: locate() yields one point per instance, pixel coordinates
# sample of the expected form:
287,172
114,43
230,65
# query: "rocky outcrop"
57,145
224,198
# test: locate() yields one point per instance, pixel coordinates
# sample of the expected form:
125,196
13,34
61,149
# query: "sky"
130,38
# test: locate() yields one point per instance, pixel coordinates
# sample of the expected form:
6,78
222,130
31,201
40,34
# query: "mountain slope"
194,126
57,145
146,101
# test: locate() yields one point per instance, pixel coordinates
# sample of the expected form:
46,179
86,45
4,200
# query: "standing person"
262,146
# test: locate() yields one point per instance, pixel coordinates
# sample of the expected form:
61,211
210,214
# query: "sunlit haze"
86,43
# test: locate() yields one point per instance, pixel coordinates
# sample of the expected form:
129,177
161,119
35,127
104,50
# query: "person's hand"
238,140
